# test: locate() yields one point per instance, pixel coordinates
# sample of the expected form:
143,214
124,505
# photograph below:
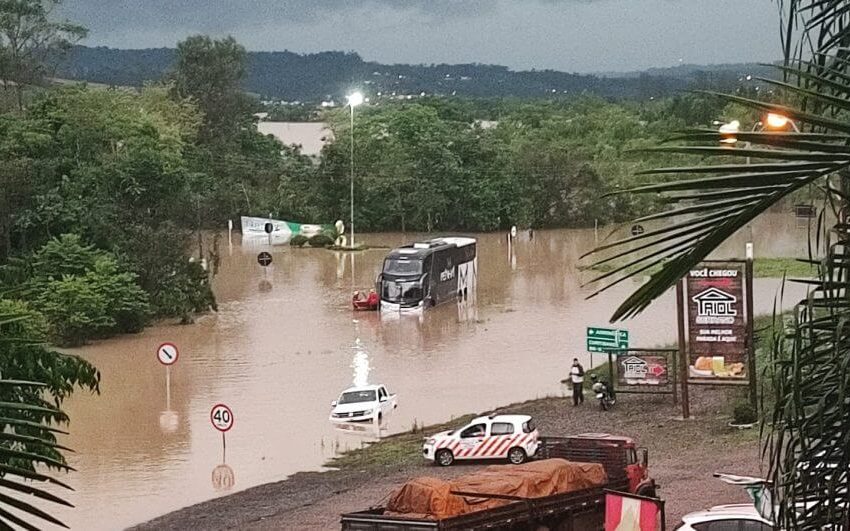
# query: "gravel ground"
682,457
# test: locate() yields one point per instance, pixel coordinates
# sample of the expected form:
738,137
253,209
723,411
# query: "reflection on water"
279,356
360,364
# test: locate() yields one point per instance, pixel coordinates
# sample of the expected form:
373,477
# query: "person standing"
577,378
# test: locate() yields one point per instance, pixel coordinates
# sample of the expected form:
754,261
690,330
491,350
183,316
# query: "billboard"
717,326
642,368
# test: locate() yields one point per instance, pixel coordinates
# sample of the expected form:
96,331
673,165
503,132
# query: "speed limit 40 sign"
221,417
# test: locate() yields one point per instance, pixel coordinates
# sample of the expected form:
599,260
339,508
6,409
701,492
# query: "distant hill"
329,75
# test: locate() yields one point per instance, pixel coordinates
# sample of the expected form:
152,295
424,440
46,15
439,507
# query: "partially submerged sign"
264,258
716,318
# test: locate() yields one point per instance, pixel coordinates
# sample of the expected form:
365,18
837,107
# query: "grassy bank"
762,268
396,450
403,450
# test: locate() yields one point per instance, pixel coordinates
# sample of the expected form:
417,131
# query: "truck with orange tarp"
563,489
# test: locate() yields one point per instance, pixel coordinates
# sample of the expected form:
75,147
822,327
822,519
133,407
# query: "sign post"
167,354
751,350
683,352
221,418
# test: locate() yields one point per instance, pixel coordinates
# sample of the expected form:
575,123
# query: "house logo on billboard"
634,368
715,306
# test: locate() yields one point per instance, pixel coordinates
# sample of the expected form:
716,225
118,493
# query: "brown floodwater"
285,342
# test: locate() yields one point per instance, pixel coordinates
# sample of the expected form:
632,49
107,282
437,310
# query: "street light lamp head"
729,132
776,121
355,99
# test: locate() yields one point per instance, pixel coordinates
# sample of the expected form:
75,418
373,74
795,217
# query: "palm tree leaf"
29,474
670,232
819,80
30,424
23,406
751,171
32,491
778,139
29,509
833,101
776,154
790,112
8,454
7,516
16,437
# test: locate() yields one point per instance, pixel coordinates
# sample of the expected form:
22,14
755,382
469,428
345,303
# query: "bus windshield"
394,266
402,292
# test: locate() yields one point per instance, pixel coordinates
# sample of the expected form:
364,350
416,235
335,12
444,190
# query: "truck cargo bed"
573,511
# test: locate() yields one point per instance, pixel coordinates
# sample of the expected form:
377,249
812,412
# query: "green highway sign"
605,339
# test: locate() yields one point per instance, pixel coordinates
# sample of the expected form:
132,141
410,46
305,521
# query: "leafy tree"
31,41
807,438
83,292
35,383
210,72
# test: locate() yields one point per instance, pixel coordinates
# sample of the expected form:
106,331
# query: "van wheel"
516,455
444,457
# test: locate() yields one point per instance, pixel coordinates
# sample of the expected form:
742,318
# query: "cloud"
572,35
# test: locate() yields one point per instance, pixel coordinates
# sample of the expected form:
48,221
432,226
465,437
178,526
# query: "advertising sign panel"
642,368
717,326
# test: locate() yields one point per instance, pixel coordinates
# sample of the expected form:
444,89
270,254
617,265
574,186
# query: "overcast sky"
569,35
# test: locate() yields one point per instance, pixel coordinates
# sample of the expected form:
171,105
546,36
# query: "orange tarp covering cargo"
428,497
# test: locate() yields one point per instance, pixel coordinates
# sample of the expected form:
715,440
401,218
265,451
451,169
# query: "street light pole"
352,174
354,100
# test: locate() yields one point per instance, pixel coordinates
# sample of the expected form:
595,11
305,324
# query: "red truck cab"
619,455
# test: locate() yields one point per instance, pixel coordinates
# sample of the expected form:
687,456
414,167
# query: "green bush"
83,292
321,240
177,286
185,291
744,413
298,240
75,309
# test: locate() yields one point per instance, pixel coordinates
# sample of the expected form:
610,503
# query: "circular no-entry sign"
221,417
637,230
264,258
167,353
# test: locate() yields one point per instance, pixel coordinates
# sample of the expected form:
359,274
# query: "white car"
363,403
512,437
737,517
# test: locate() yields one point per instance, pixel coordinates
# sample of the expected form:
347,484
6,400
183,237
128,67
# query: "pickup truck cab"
363,403
511,437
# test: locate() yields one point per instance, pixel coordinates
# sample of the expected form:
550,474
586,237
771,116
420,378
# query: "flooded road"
285,343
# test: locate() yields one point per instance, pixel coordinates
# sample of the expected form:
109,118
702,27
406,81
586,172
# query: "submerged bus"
428,273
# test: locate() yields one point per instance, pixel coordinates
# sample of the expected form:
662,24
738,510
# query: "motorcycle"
603,394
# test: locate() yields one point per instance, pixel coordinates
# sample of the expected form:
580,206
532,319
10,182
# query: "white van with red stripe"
511,437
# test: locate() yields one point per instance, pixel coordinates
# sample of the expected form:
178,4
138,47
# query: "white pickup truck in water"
363,403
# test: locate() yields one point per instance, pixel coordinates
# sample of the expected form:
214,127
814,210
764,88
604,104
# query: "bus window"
393,266
429,260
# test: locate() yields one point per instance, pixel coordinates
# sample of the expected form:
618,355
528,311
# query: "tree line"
328,75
